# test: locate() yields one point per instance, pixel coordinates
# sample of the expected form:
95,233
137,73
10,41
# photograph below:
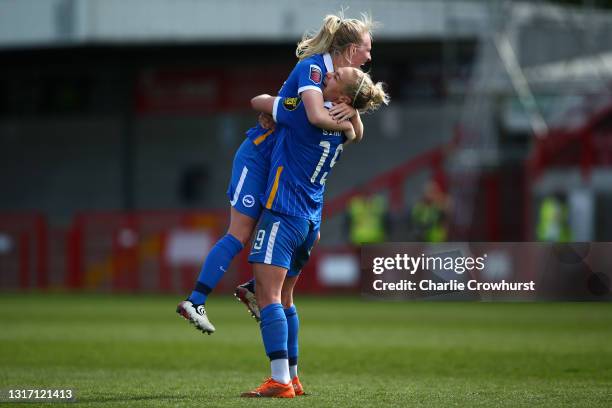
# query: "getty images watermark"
458,265
491,271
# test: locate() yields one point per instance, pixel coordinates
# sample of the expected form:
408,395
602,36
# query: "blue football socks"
293,327
218,260
273,328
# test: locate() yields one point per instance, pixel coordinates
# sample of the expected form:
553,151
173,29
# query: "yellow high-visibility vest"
430,218
367,220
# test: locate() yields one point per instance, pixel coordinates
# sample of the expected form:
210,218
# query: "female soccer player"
339,43
302,160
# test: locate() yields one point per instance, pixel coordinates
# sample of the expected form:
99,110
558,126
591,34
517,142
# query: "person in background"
367,220
553,220
430,215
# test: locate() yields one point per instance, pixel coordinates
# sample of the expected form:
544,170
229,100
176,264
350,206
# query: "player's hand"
342,111
266,121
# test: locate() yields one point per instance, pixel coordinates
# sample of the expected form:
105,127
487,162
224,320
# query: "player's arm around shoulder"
317,114
342,112
263,103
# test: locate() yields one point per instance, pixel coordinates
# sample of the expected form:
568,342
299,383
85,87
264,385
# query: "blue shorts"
283,240
249,180
302,254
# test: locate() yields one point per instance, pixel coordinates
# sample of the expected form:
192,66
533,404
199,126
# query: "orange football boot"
297,386
271,389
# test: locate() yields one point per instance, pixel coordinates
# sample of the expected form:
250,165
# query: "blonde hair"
366,95
335,35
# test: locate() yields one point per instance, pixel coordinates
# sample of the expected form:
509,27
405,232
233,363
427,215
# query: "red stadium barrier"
133,252
73,254
24,261
139,251
23,251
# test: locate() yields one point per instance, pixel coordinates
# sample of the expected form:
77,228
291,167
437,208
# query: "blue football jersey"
308,73
301,161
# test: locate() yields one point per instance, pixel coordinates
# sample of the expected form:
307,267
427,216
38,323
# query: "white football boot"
196,314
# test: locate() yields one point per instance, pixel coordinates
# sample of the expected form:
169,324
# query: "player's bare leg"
238,234
241,226
287,291
269,280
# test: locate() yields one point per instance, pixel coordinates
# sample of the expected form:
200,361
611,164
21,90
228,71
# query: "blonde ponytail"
335,35
320,42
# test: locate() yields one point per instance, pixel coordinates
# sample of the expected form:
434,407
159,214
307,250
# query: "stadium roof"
33,23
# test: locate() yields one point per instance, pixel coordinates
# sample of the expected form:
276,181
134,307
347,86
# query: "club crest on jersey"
291,103
248,201
315,74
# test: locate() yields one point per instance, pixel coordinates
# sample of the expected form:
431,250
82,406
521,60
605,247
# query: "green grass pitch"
135,351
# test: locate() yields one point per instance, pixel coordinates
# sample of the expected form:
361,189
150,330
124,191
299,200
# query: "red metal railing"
392,181
121,251
24,252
